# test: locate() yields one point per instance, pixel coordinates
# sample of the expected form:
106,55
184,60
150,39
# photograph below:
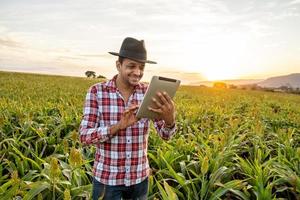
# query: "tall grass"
230,144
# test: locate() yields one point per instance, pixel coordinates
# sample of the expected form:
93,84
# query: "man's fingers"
168,98
156,110
125,114
162,98
128,113
130,110
133,107
156,102
129,117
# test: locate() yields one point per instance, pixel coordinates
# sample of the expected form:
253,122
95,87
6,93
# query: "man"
121,166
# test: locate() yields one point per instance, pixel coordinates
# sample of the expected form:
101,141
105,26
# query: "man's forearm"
93,135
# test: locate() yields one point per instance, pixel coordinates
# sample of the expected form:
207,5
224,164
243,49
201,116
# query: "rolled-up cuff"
103,133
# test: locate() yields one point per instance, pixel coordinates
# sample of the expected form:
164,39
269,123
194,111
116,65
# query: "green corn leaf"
163,193
36,188
171,194
80,190
11,192
233,185
6,185
26,158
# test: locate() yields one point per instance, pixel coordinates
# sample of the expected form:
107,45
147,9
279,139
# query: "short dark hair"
121,59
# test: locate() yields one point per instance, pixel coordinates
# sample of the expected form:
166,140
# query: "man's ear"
118,65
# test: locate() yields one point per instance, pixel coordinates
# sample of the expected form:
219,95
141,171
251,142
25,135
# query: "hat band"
134,55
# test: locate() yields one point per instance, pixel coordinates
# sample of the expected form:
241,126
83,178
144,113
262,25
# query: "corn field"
230,144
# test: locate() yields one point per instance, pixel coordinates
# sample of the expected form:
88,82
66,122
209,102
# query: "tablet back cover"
157,84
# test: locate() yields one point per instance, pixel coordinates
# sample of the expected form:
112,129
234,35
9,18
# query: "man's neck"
123,87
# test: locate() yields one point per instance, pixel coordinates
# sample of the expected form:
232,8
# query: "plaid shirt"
121,159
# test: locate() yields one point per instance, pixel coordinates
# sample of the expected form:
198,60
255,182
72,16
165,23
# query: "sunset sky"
192,40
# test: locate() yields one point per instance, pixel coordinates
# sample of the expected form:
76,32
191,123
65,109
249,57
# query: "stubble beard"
133,80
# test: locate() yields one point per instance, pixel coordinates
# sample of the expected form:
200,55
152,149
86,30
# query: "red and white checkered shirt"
121,159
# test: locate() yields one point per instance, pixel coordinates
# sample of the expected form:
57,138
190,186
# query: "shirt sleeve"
90,132
163,131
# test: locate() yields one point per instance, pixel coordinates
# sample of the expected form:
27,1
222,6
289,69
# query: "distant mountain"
291,80
228,82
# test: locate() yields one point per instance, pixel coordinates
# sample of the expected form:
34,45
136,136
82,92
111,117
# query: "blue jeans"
107,192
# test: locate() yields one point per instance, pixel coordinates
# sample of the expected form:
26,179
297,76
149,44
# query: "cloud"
95,55
59,58
185,77
294,2
177,33
258,28
8,42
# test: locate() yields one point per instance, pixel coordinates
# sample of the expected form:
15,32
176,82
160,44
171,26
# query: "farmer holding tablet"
109,122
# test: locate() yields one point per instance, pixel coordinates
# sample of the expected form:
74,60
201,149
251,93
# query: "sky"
192,40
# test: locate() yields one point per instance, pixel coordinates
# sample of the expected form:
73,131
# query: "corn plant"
230,144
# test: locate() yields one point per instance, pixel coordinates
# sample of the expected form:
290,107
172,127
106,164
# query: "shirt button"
128,141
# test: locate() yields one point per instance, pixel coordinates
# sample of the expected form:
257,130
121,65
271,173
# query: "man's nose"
137,71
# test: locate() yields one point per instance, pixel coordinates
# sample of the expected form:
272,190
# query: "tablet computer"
157,84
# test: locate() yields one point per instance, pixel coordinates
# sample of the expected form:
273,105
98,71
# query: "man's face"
130,71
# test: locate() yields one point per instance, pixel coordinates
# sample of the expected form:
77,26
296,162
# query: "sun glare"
219,58
218,74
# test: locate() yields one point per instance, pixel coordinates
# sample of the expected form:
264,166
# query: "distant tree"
284,87
90,74
296,90
254,87
100,76
258,87
232,86
219,85
268,89
203,86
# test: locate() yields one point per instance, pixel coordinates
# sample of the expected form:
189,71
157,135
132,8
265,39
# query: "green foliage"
230,144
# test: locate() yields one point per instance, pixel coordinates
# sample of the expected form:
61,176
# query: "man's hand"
128,117
165,108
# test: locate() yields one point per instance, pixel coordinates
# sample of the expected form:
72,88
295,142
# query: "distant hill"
291,80
233,82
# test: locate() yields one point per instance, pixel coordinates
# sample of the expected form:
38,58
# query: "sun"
218,58
222,73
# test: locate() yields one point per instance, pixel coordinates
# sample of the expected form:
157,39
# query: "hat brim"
142,61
